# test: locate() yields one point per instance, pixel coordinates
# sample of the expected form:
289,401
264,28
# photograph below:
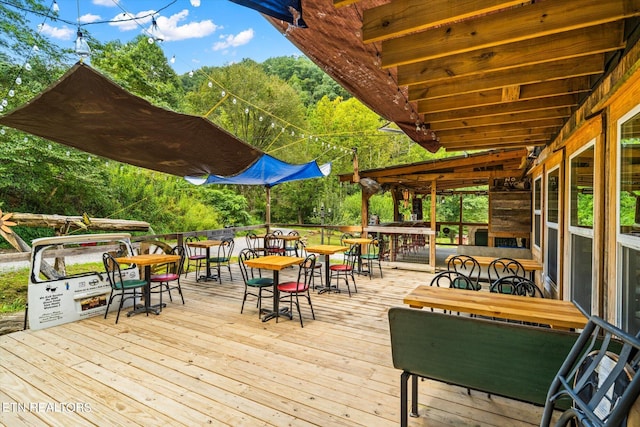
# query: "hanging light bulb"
173,59
2,131
18,80
35,48
234,101
260,118
223,93
210,84
246,111
55,6
5,102
12,93
1,109
191,73
81,46
27,66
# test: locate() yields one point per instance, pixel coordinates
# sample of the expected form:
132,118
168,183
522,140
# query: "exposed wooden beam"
424,177
523,132
528,140
500,109
403,17
576,43
552,124
491,145
556,70
443,164
512,25
502,119
496,96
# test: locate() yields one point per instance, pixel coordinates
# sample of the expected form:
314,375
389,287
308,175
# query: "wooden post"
268,209
432,237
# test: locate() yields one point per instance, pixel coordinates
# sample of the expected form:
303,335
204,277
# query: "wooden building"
557,78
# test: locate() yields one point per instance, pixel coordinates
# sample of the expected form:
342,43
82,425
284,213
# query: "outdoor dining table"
553,312
275,263
530,265
327,250
284,238
146,261
358,241
206,244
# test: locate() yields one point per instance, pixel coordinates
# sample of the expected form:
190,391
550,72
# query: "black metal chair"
195,256
291,247
373,254
253,280
345,270
452,279
170,279
255,243
120,287
318,267
468,266
516,285
600,375
501,267
273,245
300,287
223,259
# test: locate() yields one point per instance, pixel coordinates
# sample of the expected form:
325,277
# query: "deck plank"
205,363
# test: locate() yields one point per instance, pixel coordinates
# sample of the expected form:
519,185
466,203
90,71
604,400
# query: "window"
552,242
581,277
628,237
537,211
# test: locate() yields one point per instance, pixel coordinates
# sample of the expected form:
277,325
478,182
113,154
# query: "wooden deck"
204,363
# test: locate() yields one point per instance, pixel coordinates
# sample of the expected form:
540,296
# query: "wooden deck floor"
204,363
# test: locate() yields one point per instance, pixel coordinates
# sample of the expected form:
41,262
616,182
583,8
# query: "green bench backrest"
501,358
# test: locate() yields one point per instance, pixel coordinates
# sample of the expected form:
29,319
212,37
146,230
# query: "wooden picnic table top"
326,249
553,312
273,262
148,259
205,243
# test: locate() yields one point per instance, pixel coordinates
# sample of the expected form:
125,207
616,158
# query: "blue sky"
196,32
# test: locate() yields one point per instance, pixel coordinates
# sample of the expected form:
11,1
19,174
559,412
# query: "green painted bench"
500,358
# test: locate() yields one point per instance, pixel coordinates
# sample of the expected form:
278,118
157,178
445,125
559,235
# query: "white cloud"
107,3
172,31
125,21
230,40
88,18
170,27
62,33
195,3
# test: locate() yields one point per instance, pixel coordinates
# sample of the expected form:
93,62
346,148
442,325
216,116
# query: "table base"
272,314
329,289
155,309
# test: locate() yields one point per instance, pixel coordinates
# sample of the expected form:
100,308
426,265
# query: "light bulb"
18,80
223,94
68,153
246,111
150,40
173,59
2,131
234,101
49,146
27,66
12,93
55,6
1,109
191,73
210,84
35,48
260,118
273,125
81,46
5,102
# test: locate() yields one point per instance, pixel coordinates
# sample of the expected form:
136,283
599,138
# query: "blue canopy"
268,171
286,10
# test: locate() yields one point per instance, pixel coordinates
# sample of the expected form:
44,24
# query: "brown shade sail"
85,110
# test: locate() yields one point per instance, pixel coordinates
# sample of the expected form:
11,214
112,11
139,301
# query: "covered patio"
204,363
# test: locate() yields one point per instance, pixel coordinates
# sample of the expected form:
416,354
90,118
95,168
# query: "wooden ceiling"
469,75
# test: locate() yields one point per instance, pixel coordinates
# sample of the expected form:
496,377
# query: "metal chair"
600,376
255,243
195,256
468,266
516,285
373,254
223,259
291,247
170,279
301,287
273,245
501,267
253,279
318,267
345,270
452,279
125,289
